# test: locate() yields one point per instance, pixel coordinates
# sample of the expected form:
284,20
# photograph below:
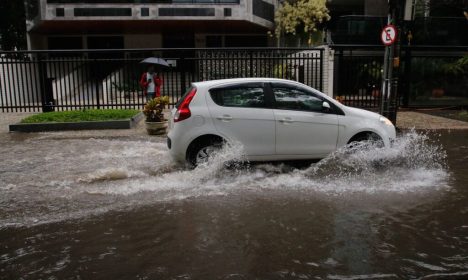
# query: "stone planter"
156,128
85,125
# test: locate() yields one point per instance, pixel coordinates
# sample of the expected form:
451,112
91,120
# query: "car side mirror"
326,107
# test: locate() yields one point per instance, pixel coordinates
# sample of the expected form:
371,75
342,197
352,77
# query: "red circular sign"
388,35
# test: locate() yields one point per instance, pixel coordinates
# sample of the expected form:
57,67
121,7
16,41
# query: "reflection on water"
119,208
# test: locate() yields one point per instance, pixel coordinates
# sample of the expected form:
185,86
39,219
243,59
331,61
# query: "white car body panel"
255,129
296,130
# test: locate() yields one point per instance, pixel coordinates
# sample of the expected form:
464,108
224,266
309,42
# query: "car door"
302,126
241,112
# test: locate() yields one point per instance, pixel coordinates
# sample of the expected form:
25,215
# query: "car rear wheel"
201,152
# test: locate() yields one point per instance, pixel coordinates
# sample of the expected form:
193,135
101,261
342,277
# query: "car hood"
350,111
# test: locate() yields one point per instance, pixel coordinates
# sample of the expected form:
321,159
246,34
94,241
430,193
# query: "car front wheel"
368,137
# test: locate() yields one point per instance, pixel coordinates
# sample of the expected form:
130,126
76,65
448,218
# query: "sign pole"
384,81
388,37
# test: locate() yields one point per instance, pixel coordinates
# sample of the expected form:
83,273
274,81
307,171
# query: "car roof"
212,83
206,85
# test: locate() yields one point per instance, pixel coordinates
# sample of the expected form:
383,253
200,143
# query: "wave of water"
90,176
413,163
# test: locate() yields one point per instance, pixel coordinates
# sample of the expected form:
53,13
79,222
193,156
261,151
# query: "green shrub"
82,115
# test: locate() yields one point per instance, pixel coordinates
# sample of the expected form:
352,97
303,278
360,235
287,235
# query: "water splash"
90,176
412,163
208,178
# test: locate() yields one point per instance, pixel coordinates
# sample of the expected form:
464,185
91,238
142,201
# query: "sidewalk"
411,119
405,120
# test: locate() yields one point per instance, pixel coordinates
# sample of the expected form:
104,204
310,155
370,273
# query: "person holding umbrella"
151,83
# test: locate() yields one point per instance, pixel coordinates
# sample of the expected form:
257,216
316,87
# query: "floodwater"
118,208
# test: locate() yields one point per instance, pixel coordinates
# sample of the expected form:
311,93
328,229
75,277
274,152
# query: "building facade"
434,41
102,24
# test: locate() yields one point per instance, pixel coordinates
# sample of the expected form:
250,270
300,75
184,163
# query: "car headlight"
385,121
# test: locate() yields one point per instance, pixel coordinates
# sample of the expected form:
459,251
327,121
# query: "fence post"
96,72
45,86
406,77
321,69
251,63
182,73
338,67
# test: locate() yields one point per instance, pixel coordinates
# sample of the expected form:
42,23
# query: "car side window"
293,98
242,96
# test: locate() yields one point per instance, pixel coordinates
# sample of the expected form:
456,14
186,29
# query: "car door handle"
286,120
225,118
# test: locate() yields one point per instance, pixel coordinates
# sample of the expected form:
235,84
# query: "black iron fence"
428,76
77,79
434,76
358,75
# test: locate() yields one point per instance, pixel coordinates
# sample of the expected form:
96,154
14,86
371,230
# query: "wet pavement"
419,120
112,205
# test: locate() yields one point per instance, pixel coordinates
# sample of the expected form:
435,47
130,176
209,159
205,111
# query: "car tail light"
183,111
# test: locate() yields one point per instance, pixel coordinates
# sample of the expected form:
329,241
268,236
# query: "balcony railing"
143,1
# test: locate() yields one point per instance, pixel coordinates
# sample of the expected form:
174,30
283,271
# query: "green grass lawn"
82,115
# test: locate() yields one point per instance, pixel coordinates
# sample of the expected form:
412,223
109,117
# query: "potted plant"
155,122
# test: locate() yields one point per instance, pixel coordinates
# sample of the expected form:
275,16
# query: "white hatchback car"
274,119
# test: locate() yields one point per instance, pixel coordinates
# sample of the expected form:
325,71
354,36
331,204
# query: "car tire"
200,152
368,136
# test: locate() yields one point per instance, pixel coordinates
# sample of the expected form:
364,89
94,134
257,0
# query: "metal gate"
71,80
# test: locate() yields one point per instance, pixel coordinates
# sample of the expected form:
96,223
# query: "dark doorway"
239,41
180,40
105,42
100,70
64,43
214,41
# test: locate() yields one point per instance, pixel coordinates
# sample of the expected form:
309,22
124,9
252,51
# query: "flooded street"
118,208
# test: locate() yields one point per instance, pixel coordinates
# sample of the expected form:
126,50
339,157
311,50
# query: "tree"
300,17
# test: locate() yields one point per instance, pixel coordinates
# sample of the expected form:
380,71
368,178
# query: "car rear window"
242,96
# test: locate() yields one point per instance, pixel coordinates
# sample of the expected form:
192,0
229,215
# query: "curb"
40,127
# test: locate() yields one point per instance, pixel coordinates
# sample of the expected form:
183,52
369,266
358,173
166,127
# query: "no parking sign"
388,35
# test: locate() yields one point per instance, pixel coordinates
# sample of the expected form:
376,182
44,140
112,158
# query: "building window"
60,12
207,1
142,1
264,10
186,12
102,12
227,12
144,12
